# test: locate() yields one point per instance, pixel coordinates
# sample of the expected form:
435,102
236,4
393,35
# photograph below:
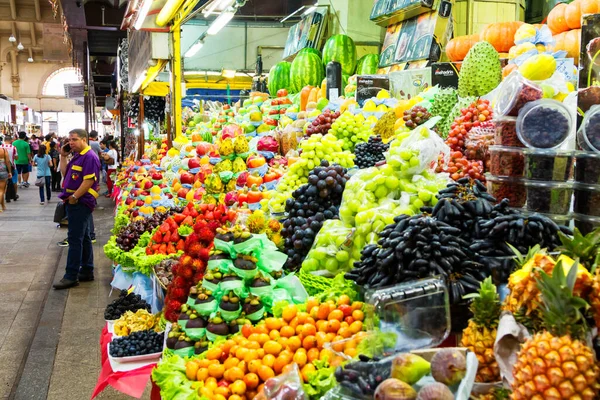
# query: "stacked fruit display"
126,302
370,153
128,236
351,129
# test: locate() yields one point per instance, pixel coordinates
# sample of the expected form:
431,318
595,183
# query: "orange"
294,343
243,365
214,353
211,382
351,352
358,315
253,337
233,350
280,362
300,329
274,335
313,354
216,370
250,395
238,387
202,374
253,345
241,352
251,355
337,345
261,328
309,342
282,341
218,396
204,391
235,373
302,316
321,339
191,369
287,331
336,314
357,305
268,360
323,311
333,325
236,397
310,303
326,354
350,344
356,327
322,325
227,345
330,336
265,372
231,362
272,347
307,370
314,312
263,338
273,324
261,353
345,332
300,358
254,365
203,363
309,329
294,322
223,391
289,312
344,299
310,320
251,380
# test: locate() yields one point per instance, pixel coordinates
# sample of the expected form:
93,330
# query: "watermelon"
341,48
310,50
279,77
207,136
367,65
307,69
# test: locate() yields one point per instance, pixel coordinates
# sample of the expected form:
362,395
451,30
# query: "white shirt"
112,153
11,150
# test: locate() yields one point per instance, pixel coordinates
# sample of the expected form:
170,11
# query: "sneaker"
93,240
26,184
65,284
64,243
42,203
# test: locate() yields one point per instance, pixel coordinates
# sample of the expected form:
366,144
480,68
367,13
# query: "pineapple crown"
561,311
486,304
586,248
523,258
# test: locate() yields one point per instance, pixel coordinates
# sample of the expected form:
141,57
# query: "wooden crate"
470,16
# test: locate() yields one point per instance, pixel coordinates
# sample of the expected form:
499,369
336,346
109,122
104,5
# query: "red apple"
186,177
128,201
282,93
148,185
157,176
181,193
203,148
139,203
135,213
193,163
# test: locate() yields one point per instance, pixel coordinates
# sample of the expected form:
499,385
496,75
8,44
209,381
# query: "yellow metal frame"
176,80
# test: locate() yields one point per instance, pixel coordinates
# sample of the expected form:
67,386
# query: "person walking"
23,159
82,177
111,158
5,175
56,177
11,184
44,163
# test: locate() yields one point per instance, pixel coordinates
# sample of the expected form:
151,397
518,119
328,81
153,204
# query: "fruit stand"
300,245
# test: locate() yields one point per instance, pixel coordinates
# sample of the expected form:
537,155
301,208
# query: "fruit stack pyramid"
126,302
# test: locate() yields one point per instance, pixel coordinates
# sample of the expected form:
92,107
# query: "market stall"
330,239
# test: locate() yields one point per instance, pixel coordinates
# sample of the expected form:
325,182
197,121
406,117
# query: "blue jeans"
81,253
48,189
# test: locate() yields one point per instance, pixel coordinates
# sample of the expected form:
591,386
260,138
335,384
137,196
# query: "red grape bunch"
415,116
322,123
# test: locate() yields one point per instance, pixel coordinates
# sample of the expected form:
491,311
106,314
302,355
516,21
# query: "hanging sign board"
74,90
306,33
55,48
143,48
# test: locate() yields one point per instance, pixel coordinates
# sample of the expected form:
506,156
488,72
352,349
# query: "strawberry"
171,249
167,237
163,249
172,224
175,236
178,218
164,228
193,212
157,237
188,221
148,251
180,245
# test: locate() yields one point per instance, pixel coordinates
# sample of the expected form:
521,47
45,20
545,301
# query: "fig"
394,389
197,323
409,368
448,366
435,391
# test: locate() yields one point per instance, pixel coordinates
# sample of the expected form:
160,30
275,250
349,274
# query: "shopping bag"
40,182
59,212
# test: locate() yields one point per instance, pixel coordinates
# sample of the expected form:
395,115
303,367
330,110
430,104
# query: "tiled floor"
49,340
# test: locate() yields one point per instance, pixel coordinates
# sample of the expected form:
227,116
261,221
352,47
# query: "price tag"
130,289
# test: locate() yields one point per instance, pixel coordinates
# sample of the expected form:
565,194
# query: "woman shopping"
44,163
111,158
5,174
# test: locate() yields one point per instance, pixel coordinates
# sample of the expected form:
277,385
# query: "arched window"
54,85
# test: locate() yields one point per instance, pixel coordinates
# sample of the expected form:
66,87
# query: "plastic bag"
417,152
288,139
478,141
287,386
330,252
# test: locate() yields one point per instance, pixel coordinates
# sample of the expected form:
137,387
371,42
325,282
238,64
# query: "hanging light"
310,9
221,21
216,4
20,46
30,59
194,49
11,38
142,13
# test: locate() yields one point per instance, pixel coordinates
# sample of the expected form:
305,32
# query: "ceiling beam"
38,11
13,9
33,36
27,14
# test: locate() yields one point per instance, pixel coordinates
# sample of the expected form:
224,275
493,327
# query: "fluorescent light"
220,22
228,73
30,59
144,6
20,46
12,39
194,49
217,4
139,81
309,10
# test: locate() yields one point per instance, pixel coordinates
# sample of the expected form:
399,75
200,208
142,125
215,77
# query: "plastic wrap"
478,141
416,153
287,386
330,252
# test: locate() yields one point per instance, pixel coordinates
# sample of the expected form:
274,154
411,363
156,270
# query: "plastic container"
417,312
544,124
587,167
586,199
549,197
544,165
514,93
507,161
506,132
588,135
510,188
586,223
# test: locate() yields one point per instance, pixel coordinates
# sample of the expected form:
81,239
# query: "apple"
193,163
186,177
282,93
181,193
128,201
148,184
135,213
139,203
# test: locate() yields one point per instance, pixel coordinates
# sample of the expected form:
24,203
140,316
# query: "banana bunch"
129,322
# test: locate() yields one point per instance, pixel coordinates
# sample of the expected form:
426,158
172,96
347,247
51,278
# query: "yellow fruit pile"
129,322
237,368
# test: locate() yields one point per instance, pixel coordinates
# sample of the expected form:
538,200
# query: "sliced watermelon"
341,48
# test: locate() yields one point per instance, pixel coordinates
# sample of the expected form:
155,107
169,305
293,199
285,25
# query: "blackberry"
137,344
370,153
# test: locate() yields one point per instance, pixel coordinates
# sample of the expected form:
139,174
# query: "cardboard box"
445,74
368,86
386,12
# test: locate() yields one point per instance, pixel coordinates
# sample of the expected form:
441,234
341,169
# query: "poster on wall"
54,47
416,36
388,50
306,33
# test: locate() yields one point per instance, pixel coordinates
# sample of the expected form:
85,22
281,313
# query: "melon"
306,70
279,77
367,65
310,50
341,48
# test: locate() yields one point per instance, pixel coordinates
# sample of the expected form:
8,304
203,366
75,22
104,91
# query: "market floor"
49,340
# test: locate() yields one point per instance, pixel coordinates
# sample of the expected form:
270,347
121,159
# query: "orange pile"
238,368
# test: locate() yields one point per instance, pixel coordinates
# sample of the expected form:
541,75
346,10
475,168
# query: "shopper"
47,141
82,175
111,158
11,184
23,159
34,142
44,163
5,175
56,177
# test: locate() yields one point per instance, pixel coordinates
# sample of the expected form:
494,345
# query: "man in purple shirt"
80,190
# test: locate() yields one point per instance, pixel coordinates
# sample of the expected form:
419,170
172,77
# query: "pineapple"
480,335
496,394
240,144
226,147
557,363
